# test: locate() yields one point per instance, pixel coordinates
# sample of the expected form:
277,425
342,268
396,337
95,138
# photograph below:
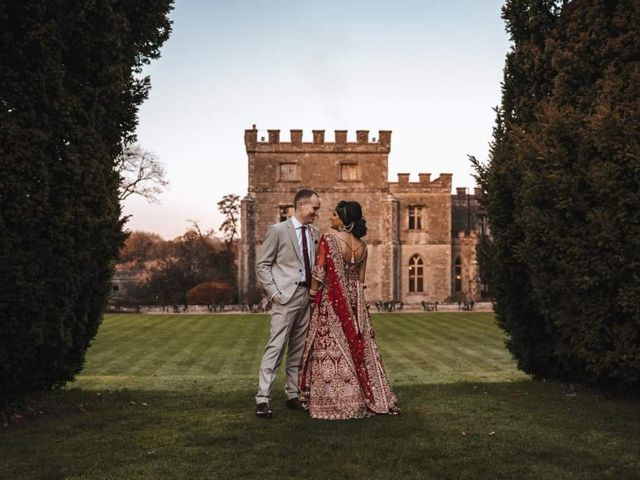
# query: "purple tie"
305,256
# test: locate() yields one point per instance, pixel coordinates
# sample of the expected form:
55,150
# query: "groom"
283,267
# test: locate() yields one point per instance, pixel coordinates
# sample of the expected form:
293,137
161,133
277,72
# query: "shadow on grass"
522,429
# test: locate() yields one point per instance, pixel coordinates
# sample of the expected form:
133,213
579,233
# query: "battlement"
463,191
442,183
271,142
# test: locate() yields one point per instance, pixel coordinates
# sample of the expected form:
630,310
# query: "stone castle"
421,238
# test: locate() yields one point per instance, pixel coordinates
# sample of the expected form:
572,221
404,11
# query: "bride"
342,374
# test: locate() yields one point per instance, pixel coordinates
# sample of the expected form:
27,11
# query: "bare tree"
195,228
229,206
141,173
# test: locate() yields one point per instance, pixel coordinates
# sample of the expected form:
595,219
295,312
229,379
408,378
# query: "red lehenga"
342,375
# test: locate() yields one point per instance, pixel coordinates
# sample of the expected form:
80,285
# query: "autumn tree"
139,247
210,293
178,265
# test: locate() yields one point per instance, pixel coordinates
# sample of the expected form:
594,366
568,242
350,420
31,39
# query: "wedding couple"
320,316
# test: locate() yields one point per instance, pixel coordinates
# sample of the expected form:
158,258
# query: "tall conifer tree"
581,220
70,87
527,80
562,187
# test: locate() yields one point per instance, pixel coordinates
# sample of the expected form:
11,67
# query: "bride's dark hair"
350,213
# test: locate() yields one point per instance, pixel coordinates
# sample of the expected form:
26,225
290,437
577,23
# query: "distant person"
284,268
342,375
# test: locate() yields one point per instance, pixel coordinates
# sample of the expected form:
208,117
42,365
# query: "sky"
428,70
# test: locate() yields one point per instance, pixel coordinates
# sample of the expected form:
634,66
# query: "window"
483,225
415,217
288,172
115,288
285,211
349,172
457,276
484,289
416,274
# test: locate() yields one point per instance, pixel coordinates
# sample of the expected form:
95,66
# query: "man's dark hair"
303,195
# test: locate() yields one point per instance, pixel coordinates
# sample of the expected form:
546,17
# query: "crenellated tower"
408,221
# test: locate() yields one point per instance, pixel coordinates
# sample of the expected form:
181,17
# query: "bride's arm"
363,265
318,272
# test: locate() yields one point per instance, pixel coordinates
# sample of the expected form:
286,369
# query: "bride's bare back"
353,251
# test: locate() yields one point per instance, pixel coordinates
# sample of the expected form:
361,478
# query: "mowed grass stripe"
474,338
181,356
209,346
481,329
151,340
416,348
492,344
195,345
140,357
426,338
466,346
394,354
179,345
399,347
113,330
220,357
252,330
114,341
152,350
404,365
443,354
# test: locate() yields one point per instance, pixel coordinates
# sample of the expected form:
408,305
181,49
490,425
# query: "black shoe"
294,404
263,410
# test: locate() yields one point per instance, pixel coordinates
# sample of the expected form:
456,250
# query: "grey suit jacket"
279,262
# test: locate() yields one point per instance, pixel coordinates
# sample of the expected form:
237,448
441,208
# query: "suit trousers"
289,324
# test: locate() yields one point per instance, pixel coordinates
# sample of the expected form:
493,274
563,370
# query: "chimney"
341,136
461,191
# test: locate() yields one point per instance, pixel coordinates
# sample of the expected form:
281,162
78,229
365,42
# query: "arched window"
416,274
457,276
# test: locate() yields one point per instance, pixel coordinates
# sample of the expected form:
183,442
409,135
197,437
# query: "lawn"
171,397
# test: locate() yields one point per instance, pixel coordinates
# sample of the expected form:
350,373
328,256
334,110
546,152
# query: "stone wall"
464,249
